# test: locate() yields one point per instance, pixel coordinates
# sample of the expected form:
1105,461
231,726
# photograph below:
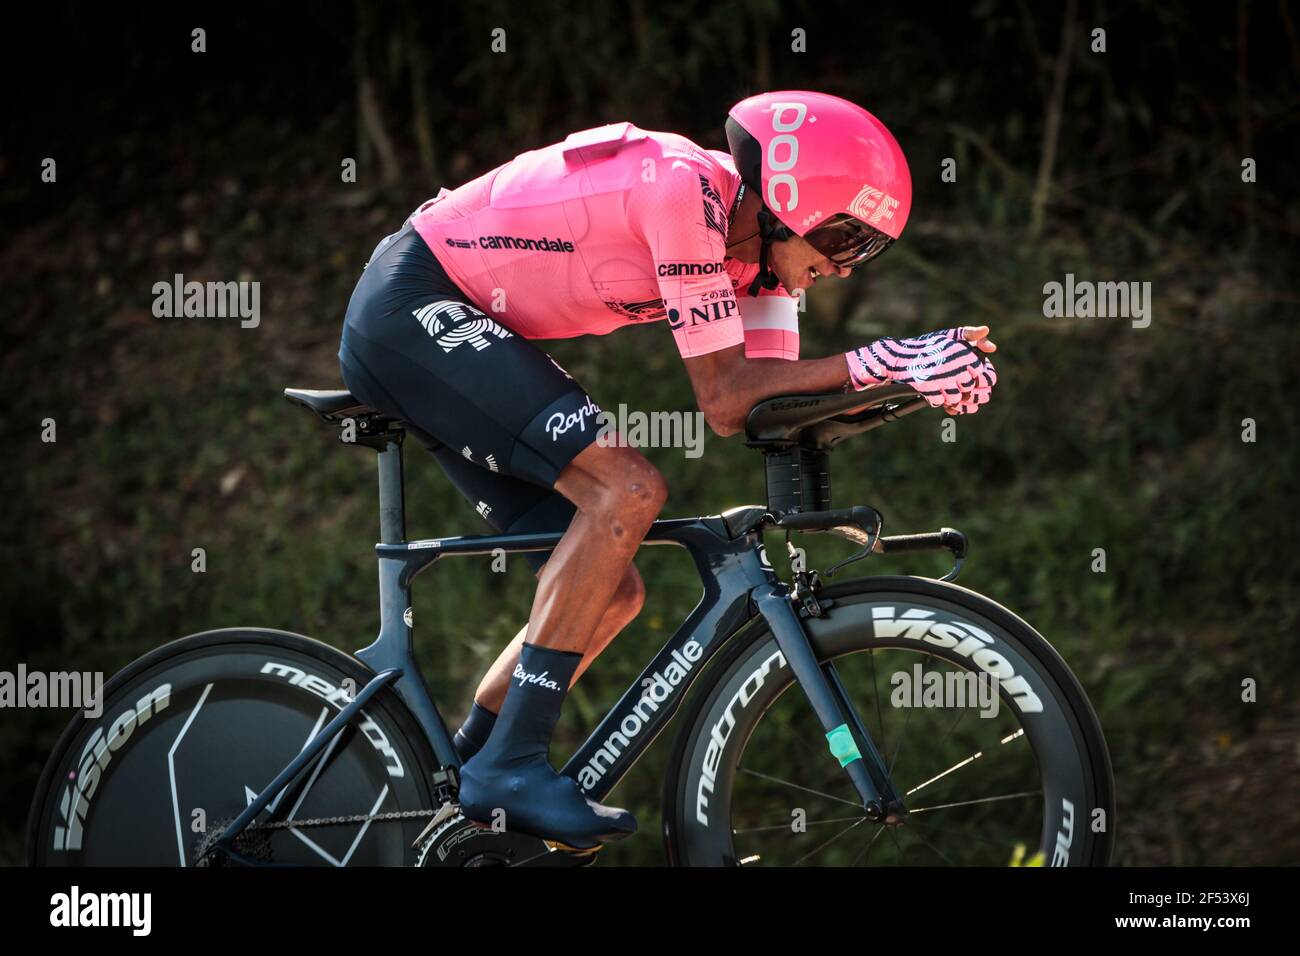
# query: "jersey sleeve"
681,218
770,319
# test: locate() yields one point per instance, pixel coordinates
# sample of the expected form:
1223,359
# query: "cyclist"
619,226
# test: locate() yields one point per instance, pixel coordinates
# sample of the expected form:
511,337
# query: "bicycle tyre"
747,680
144,782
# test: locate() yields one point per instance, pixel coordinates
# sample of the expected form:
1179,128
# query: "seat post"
392,496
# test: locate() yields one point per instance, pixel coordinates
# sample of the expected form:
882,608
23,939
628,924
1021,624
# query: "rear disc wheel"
192,732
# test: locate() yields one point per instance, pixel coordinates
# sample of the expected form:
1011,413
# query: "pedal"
558,847
555,846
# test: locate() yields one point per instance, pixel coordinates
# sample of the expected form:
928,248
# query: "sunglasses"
848,241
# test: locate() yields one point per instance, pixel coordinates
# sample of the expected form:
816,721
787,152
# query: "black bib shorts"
500,416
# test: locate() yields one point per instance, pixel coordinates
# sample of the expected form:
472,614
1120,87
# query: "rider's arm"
727,385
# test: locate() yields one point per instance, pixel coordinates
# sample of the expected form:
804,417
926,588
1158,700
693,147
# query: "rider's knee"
644,492
647,487
635,493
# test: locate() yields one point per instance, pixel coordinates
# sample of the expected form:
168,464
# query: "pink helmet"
828,170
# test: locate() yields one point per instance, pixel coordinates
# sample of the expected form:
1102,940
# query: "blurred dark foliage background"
1116,165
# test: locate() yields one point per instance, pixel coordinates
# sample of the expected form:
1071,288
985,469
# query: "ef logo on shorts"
451,323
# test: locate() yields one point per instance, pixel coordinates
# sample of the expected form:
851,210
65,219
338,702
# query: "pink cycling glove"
942,366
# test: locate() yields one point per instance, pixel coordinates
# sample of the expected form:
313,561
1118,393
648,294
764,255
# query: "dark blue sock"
532,705
473,734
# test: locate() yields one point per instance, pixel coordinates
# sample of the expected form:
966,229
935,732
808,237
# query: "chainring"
461,842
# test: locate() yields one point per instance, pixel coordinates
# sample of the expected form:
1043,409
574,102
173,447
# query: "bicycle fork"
846,735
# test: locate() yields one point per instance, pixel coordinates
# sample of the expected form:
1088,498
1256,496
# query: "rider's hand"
947,368
977,337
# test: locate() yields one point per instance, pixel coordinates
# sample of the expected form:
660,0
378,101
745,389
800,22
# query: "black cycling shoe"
537,800
512,774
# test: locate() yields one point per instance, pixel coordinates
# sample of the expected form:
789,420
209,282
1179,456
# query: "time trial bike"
249,746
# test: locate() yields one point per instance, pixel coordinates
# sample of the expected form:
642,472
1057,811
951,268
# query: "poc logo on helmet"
785,127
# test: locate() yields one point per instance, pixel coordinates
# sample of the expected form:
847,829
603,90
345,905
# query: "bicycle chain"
335,821
252,840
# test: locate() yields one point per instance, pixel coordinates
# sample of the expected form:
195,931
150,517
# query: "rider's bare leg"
625,606
617,494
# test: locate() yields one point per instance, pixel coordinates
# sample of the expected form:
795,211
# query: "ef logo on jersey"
451,323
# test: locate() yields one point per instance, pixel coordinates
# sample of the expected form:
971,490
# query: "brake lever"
859,535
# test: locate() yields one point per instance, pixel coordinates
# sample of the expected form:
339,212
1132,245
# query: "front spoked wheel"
1022,777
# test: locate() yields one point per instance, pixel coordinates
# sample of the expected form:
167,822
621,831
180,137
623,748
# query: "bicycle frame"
731,570
739,586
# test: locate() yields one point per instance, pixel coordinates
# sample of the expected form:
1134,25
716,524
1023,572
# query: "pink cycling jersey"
612,227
